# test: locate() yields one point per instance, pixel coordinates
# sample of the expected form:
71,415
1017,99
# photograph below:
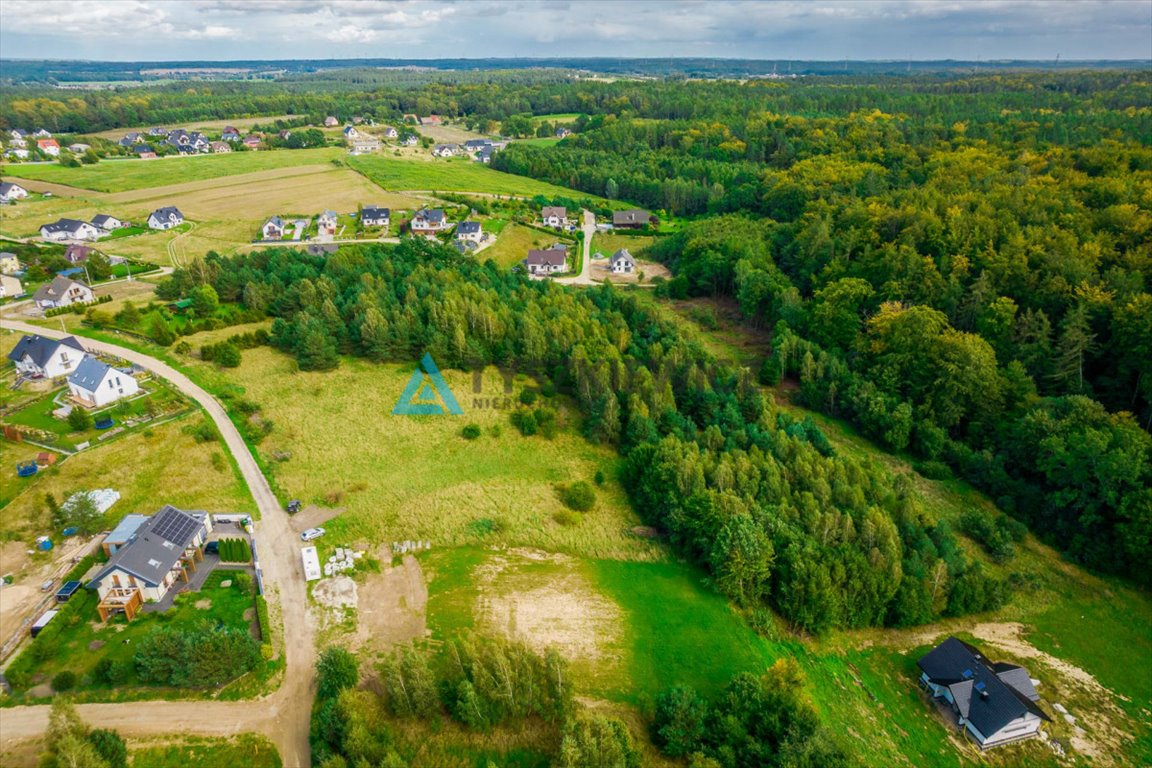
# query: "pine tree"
1076,341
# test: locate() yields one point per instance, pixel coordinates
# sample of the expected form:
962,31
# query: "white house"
273,229
327,223
96,384
9,264
411,140
10,287
470,231
49,147
10,191
445,150
18,152
547,262
390,132
364,145
351,133
554,216
106,223
622,262
69,229
165,218
62,292
429,221
995,704
371,216
42,133
331,122
164,550
79,149
39,357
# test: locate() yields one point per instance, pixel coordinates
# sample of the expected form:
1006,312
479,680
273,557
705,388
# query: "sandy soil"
312,516
651,269
393,604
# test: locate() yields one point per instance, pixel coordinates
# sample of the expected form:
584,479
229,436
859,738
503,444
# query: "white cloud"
350,33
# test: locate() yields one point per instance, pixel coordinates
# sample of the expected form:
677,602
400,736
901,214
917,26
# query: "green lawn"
558,117
124,175
457,175
244,751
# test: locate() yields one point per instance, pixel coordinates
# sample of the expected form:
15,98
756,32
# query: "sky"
164,30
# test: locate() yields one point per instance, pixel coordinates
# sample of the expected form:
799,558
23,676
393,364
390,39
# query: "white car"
312,533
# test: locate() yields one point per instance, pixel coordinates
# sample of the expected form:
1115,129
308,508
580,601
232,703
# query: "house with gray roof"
633,219
548,261
164,550
273,229
470,231
69,229
554,216
165,218
429,221
40,357
96,384
622,262
994,703
106,223
372,216
10,191
62,292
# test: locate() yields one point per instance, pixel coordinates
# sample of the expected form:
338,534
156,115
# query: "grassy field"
558,117
608,244
246,750
456,175
209,126
124,175
514,243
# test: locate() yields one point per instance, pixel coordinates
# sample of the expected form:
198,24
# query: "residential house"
470,230
122,533
19,142
563,133
165,218
485,154
622,262
10,191
10,287
475,145
96,384
39,357
229,134
431,120
144,152
219,147
42,133
18,153
351,133
365,145
130,139
198,141
106,223
49,147
410,140
76,254
273,229
164,550
548,261
331,122
9,264
69,229
326,223
158,131
390,132
79,149
252,141
62,292
429,221
634,219
554,216
371,216
285,135
17,134
445,150
995,703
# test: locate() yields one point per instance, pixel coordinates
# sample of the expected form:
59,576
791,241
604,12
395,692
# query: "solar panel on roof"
980,685
967,674
175,526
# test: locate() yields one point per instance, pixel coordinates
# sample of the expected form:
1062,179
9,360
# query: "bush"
336,670
567,518
933,470
64,681
525,421
546,422
110,746
580,496
79,419
599,478
528,396
470,432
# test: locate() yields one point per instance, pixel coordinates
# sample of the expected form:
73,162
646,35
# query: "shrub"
336,670
110,746
567,518
933,470
527,396
580,496
599,478
79,419
525,421
64,681
546,422
470,432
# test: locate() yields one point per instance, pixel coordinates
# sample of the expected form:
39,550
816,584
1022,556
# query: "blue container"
44,544
71,531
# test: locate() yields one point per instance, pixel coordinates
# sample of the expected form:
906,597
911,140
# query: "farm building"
164,550
62,292
165,218
364,145
96,384
39,357
331,122
995,703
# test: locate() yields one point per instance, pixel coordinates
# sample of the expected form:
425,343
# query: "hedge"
78,308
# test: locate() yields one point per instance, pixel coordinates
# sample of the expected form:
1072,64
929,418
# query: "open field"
608,244
448,134
455,175
563,118
209,126
247,750
514,243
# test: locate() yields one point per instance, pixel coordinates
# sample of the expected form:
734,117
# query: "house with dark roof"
622,262
634,219
144,151
470,231
371,216
548,261
326,223
445,150
62,292
10,191
995,703
106,223
69,229
273,229
164,550
229,134
39,357
350,132
95,384
75,254
429,221
554,216
165,218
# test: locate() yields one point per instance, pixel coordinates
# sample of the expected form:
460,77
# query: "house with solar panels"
163,551
994,703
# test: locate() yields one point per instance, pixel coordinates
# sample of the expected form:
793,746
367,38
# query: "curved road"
585,276
283,716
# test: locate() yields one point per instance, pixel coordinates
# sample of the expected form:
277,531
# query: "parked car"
212,548
293,506
312,533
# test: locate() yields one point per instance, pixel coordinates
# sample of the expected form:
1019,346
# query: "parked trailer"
311,563
42,622
67,589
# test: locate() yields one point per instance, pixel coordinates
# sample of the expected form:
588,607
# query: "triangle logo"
427,393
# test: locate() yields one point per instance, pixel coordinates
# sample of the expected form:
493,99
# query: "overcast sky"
763,29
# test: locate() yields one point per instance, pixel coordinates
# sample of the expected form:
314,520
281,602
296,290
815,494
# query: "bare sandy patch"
202,605
312,516
393,604
337,593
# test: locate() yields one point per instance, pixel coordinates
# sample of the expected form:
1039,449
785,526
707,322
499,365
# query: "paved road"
585,276
282,716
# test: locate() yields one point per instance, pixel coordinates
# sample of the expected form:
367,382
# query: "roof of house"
622,255
430,214
547,258
156,547
65,225
987,699
100,219
76,253
168,212
635,216
372,212
554,210
328,215
40,349
89,374
478,143
468,228
55,289
8,186
141,149
125,529
275,221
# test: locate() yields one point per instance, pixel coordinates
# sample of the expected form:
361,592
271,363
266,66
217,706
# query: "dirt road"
282,716
585,276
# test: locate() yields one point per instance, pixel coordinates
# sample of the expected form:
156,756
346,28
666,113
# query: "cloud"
350,33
